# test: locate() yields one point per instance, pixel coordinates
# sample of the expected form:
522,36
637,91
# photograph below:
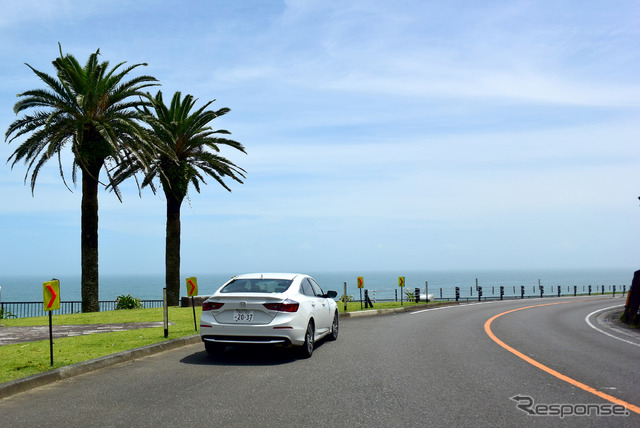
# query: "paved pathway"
10,335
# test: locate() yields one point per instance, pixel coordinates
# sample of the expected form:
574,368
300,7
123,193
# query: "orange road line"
610,398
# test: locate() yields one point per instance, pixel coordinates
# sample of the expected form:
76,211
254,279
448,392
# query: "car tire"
213,349
309,341
335,327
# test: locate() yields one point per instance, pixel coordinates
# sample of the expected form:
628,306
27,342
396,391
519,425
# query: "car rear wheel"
334,328
309,340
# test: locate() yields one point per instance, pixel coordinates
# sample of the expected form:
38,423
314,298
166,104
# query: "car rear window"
257,286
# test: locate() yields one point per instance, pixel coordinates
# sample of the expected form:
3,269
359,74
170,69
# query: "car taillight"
210,306
284,306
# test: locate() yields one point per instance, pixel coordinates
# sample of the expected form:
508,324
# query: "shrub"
128,302
409,296
6,314
346,298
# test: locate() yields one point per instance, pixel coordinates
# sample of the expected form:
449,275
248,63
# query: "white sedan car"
269,309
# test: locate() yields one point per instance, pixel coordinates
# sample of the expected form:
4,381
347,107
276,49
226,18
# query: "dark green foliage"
128,302
5,314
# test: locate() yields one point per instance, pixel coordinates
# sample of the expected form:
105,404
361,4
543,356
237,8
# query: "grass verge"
356,306
25,359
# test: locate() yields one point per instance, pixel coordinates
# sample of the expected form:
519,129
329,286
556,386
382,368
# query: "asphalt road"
431,368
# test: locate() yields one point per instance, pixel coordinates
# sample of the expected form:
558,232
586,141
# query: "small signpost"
192,290
344,300
401,285
426,290
51,302
360,286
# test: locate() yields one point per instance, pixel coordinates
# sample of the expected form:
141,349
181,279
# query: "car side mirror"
331,294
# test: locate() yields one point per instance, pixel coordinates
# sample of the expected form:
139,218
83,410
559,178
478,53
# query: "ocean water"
382,284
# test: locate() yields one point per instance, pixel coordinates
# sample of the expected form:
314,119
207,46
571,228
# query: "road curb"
372,312
21,385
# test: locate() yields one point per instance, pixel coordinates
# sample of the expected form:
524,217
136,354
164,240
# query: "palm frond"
92,108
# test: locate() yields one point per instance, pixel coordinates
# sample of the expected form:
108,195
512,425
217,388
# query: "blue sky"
380,135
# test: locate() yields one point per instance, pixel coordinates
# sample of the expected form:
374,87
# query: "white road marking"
604,332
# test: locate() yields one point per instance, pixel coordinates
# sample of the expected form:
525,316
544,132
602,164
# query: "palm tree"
187,153
95,112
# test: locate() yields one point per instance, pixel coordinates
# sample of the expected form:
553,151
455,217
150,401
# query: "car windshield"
257,285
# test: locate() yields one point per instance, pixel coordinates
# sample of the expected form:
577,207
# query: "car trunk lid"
246,308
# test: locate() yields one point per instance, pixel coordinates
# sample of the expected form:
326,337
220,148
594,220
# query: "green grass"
25,359
355,306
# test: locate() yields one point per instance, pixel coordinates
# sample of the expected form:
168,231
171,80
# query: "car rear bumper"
252,334
247,340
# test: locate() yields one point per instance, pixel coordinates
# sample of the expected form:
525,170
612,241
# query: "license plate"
240,315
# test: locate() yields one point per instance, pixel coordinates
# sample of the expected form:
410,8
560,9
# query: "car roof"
289,276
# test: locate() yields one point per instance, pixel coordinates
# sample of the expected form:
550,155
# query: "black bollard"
367,300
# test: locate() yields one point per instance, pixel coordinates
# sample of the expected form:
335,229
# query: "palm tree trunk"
172,250
89,238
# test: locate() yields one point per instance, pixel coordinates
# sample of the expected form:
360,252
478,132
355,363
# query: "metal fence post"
345,297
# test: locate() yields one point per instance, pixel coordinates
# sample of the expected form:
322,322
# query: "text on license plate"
240,315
